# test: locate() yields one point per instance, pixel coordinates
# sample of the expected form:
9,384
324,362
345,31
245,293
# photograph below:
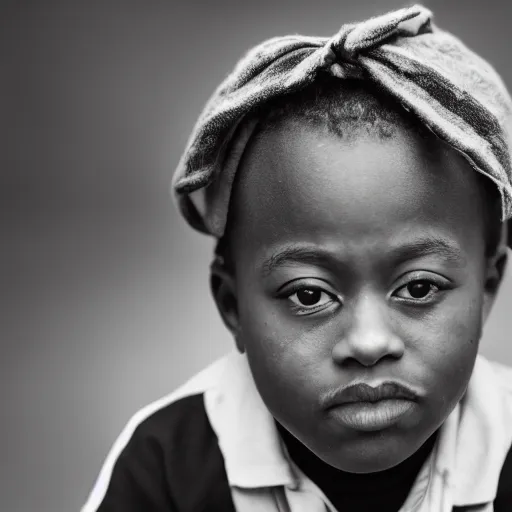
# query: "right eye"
310,299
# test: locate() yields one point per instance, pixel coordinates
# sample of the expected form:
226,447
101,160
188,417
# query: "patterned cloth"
453,91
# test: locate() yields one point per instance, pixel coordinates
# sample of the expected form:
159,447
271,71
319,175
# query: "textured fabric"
454,92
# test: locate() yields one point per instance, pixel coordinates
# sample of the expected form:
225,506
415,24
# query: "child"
368,178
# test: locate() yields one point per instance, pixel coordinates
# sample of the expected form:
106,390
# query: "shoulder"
175,414
502,376
175,410
163,435
490,389
499,374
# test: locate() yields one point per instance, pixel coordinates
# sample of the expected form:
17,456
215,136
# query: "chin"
365,466
366,456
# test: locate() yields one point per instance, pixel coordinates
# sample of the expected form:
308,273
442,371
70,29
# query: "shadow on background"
105,299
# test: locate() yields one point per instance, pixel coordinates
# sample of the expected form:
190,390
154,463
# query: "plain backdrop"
105,303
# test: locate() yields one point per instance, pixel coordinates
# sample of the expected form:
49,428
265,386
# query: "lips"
363,392
370,408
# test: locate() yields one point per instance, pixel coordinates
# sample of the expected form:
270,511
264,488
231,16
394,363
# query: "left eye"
417,290
310,298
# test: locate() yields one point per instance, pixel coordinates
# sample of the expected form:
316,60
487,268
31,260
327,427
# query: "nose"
369,336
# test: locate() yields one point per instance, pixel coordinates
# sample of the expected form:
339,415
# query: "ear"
223,288
496,266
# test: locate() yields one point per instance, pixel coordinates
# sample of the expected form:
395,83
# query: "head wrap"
454,92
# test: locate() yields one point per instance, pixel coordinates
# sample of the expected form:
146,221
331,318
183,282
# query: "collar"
479,435
248,438
472,445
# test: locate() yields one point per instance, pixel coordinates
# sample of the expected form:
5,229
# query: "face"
359,288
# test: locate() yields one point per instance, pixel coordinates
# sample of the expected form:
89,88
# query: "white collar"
248,438
471,448
483,435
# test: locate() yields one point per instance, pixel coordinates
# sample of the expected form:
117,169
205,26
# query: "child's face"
358,262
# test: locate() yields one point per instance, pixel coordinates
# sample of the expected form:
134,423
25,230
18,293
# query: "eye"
420,289
310,299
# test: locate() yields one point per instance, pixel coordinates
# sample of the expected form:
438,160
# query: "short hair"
346,108
349,109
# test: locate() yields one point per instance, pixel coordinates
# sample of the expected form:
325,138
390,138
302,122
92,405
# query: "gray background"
105,304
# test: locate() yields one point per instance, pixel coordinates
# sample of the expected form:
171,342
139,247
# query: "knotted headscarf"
453,91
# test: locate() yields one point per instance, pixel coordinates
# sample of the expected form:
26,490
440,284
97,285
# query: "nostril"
368,348
356,363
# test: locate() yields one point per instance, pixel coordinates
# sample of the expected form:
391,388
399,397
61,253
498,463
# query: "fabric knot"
352,39
340,68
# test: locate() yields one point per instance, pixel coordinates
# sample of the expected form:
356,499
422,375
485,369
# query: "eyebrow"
430,245
296,254
420,247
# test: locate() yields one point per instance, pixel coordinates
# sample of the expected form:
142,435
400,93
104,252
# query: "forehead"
299,183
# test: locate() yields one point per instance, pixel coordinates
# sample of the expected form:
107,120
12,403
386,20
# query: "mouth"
370,408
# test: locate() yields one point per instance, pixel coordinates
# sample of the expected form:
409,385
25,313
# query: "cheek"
285,360
449,347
